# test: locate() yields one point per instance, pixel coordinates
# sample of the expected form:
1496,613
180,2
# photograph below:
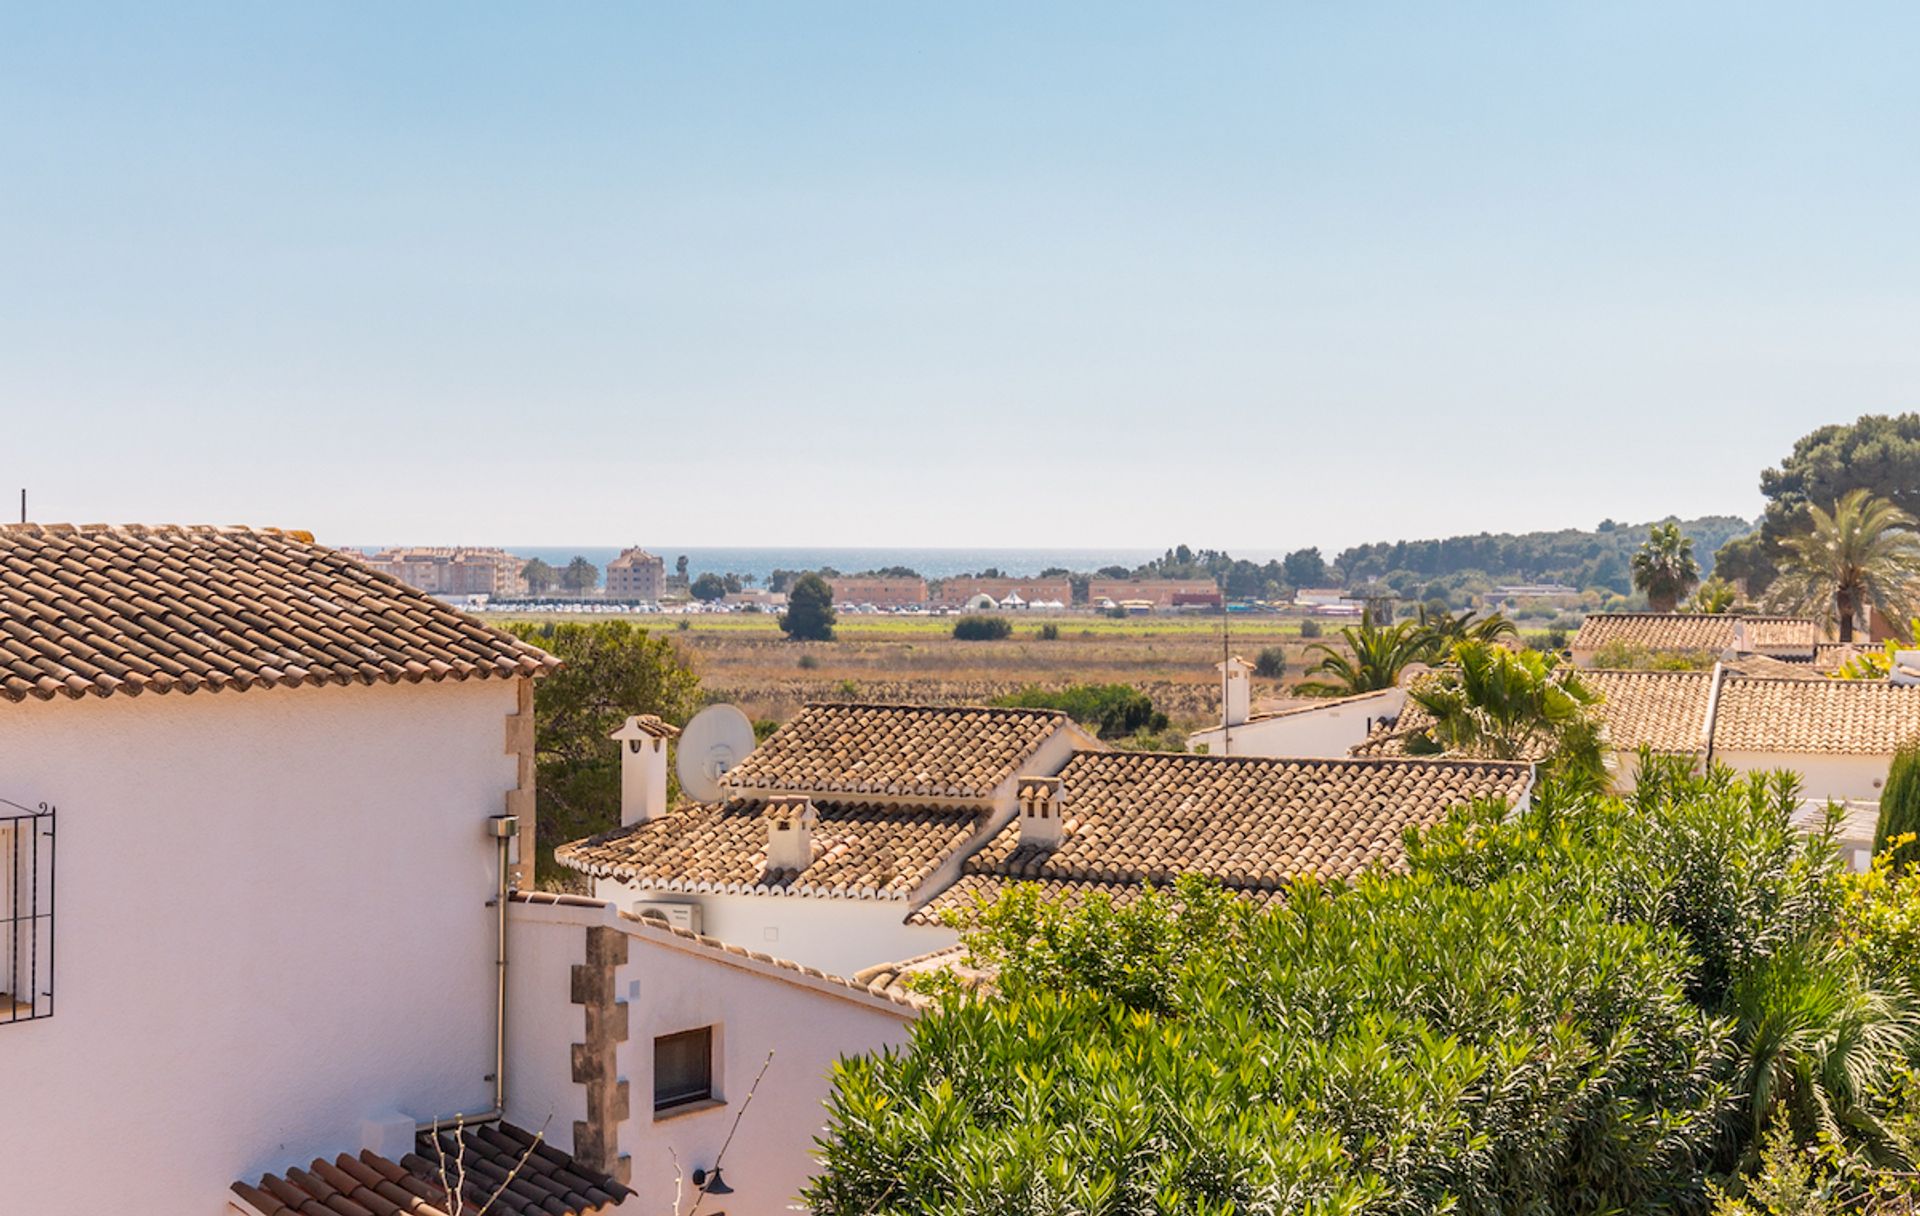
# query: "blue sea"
932,563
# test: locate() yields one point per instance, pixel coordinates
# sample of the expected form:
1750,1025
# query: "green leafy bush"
610,669
1049,632
1597,1005
1270,663
1310,628
1900,809
809,616
982,628
1115,711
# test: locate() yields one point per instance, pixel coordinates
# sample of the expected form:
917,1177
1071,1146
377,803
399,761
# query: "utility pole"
23,504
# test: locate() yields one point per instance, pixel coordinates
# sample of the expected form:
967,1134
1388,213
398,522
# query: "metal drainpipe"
503,828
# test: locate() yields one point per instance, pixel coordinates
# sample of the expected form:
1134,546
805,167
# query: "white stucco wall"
272,924
672,985
1325,732
840,936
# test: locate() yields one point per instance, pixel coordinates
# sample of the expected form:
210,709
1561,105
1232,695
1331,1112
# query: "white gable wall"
671,985
1327,732
271,924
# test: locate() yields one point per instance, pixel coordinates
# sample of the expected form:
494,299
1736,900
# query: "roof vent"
1041,808
790,823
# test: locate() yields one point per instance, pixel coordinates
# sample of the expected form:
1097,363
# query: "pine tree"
1900,806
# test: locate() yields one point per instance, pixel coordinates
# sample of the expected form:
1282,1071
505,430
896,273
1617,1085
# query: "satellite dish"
718,738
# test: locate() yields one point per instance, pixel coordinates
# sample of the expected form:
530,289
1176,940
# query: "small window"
682,1068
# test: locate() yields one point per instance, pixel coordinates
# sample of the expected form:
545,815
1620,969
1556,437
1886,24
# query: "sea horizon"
931,562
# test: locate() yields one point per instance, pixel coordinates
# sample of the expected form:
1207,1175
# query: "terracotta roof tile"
1252,823
867,850
1829,717
1667,711
1691,631
98,610
480,1160
1663,710
896,751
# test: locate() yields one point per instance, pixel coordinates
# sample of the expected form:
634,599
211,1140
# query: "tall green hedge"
1900,806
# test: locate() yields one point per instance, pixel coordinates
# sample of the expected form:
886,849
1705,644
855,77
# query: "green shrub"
808,662
1900,809
1271,663
1310,628
809,616
1597,1005
982,628
1050,632
1115,711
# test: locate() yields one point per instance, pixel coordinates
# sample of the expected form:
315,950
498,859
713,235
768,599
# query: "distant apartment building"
957,592
880,592
453,570
637,575
1159,592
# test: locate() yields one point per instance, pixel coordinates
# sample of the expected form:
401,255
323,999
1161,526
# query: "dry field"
744,659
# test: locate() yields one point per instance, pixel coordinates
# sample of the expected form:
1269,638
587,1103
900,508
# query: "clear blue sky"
915,274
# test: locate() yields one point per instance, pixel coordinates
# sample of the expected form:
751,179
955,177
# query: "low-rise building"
644,1041
1158,592
454,571
1789,638
830,832
879,591
637,576
1840,736
964,591
282,790
1120,822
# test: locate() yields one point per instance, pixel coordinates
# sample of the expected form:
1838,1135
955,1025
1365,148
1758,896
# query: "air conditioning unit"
679,915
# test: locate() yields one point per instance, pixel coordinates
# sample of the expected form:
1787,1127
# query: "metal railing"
26,912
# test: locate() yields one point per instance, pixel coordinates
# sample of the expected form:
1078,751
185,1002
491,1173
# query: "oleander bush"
1599,1005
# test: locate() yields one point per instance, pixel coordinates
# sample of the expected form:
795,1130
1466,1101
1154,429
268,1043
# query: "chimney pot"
1041,808
643,767
790,822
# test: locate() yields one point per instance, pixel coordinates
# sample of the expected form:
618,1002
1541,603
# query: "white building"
661,1034
274,780
1324,727
828,834
1840,736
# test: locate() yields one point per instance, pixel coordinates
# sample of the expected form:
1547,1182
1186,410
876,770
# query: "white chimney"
1236,690
643,767
1041,808
790,821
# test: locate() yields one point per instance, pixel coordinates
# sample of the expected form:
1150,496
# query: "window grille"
26,912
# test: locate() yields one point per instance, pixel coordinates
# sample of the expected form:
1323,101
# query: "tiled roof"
860,849
1692,631
896,751
1249,822
1830,717
1667,711
1067,894
479,1162
1663,710
101,610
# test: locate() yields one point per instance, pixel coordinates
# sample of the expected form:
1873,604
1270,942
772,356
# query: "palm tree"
1492,703
1816,1039
1865,554
1664,567
1444,631
1374,657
